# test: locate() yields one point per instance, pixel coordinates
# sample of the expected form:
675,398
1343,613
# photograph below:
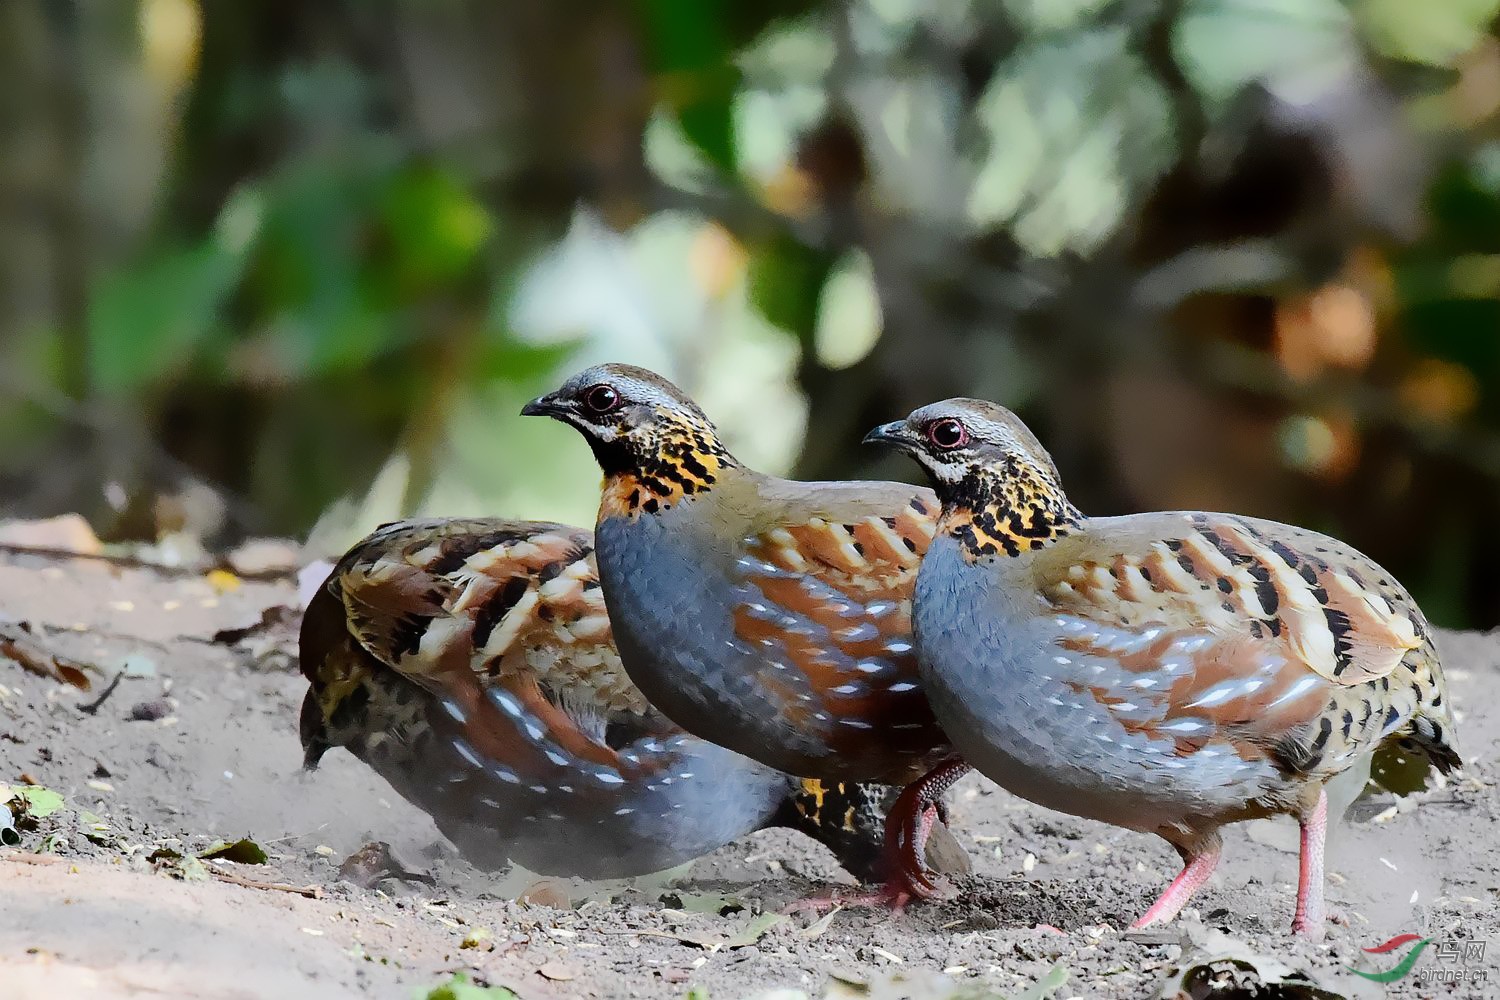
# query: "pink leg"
907,827
1310,914
1196,870
902,885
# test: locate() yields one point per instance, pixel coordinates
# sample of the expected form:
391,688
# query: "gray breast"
672,605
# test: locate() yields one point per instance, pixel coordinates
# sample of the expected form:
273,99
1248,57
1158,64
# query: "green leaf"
1225,44
435,225
708,122
178,865
189,869
1457,330
1054,980
322,279
1465,212
692,56
461,987
1435,34
786,282
147,322
243,851
40,802
716,903
518,363
754,930
849,317
94,829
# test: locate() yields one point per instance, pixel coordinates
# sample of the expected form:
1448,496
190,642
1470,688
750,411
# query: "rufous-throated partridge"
1164,672
469,662
769,616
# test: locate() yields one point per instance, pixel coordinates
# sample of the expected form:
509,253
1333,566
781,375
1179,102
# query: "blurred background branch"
271,266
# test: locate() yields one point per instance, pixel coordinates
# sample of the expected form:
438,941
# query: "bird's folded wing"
494,615
824,599
1199,626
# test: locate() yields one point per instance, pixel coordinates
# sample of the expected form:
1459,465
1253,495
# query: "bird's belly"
1046,741
1043,763
674,798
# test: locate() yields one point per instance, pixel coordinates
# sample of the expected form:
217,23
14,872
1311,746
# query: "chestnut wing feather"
1209,627
505,623
492,598
825,599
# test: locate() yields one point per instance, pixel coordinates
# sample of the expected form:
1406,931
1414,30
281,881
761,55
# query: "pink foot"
887,896
907,827
1195,872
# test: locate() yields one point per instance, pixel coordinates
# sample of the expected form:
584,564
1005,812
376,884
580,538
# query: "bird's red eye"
601,398
947,434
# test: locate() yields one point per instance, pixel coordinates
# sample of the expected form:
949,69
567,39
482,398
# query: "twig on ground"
309,891
28,858
136,562
93,706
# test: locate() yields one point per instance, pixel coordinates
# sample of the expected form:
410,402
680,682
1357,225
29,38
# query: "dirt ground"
199,743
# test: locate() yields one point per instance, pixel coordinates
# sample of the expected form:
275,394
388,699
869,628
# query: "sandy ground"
199,743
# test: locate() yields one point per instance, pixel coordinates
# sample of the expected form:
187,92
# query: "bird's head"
1000,490
646,434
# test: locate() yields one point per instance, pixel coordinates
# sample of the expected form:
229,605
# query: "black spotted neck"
649,472
1006,509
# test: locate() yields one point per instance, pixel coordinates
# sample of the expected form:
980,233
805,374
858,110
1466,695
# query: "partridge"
470,664
1164,672
771,617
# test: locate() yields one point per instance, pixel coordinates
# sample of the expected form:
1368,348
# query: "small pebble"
150,711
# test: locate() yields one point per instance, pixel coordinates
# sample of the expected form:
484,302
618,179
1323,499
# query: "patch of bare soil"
105,896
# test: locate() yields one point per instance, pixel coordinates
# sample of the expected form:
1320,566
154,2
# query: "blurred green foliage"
302,258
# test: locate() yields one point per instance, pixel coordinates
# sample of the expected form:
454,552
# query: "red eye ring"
601,398
947,434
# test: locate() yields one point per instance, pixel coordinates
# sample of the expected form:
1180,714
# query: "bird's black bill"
894,434
544,406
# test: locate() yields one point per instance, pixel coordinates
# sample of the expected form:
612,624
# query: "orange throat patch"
684,461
